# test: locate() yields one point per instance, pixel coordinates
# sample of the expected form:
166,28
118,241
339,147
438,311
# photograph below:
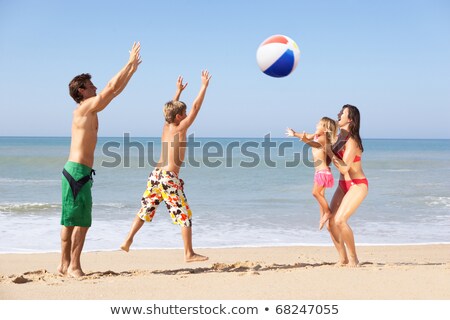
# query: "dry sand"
282,273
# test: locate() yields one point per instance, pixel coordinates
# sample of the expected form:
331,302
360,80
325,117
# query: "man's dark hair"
77,83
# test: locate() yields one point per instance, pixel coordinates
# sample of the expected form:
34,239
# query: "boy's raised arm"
180,88
196,105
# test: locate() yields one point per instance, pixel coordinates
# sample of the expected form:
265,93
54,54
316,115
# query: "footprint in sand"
21,279
29,276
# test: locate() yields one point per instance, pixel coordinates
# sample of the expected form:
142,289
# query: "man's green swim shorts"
76,195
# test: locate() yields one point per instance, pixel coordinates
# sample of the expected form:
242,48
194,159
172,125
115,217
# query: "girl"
321,141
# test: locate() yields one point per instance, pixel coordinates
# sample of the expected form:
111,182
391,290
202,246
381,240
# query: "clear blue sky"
389,58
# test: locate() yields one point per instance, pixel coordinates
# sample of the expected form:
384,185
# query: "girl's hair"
354,116
172,108
77,83
330,127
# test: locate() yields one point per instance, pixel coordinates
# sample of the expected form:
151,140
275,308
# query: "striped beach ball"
278,56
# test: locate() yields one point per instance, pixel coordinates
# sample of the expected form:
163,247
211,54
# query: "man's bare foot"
324,219
62,271
196,258
77,273
126,245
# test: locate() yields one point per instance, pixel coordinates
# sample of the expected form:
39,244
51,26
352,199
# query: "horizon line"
210,137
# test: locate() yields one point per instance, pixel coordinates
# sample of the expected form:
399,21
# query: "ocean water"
243,192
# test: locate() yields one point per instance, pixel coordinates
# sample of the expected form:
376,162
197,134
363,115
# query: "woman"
353,185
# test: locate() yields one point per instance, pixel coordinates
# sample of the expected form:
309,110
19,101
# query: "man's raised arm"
116,85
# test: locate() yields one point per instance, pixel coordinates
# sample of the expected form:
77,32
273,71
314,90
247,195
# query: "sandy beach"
307,272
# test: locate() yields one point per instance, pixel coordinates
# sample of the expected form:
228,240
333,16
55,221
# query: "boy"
163,183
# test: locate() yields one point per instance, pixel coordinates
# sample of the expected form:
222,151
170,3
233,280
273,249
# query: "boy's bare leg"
189,254
78,237
137,224
66,244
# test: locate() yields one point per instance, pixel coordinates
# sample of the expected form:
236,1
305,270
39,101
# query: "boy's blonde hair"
172,108
330,127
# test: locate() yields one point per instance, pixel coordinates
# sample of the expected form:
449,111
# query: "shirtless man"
76,215
164,183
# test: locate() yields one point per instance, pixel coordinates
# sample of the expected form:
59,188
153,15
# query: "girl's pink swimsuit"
324,178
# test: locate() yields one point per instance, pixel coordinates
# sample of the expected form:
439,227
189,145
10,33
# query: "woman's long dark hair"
354,116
